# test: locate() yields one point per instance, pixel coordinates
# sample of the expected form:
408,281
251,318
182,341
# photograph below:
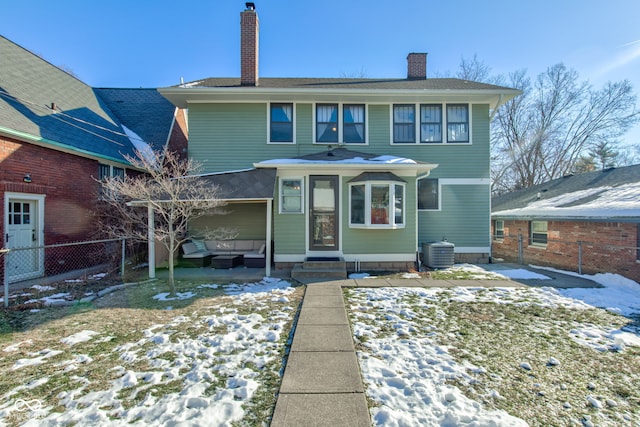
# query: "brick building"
587,223
58,137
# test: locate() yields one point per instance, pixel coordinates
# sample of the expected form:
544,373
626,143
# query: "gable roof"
44,105
611,194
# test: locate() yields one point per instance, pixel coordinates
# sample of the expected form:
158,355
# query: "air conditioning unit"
438,254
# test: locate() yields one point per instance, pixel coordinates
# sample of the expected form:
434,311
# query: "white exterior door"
23,225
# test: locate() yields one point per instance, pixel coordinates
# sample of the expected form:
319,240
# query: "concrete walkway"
322,385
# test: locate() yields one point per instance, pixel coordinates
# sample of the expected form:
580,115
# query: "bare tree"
172,188
542,134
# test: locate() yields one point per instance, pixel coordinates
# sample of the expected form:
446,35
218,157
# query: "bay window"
376,204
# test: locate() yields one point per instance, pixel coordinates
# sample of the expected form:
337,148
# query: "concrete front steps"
320,268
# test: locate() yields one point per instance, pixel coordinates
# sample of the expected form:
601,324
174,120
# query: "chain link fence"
44,265
581,256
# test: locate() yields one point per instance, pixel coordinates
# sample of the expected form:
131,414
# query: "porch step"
319,269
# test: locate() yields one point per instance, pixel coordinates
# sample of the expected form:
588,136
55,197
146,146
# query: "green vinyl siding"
379,128
463,219
304,125
289,229
248,220
375,241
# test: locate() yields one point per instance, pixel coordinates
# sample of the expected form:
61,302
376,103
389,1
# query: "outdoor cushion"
189,248
243,245
199,244
262,248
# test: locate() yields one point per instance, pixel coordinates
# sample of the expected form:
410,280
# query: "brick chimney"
417,66
249,27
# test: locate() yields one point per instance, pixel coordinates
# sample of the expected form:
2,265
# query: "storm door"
323,213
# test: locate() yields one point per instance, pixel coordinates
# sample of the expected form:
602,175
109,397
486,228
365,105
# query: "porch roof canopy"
235,186
348,159
245,185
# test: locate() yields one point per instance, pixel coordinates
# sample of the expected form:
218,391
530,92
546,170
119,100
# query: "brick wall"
607,247
65,180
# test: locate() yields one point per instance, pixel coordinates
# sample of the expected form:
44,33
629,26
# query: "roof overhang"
182,97
402,169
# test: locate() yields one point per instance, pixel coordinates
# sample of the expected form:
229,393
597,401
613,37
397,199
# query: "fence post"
520,250
122,258
5,258
579,257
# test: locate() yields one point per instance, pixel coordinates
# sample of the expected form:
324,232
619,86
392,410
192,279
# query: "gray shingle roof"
144,111
82,120
253,184
576,196
346,83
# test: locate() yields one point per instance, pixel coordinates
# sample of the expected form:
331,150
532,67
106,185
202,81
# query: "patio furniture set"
223,253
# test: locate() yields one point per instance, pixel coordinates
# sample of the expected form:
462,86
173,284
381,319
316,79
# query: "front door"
323,215
22,217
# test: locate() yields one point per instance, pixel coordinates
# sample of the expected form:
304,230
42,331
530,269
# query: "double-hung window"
458,123
498,229
291,196
375,204
437,124
353,124
281,122
340,123
538,232
106,171
327,122
431,123
404,124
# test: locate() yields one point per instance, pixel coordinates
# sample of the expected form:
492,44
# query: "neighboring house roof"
144,111
611,194
42,104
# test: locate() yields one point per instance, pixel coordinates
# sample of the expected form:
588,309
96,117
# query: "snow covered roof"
612,194
347,158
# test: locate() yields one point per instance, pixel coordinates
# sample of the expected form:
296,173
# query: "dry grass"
119,319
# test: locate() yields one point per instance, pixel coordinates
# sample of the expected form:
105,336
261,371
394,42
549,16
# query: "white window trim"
367,206
280,195
111,168
495,230
341,124
439,195
293,118
443,127
537,244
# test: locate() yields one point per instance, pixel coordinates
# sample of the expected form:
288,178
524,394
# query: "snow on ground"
218,367
406,375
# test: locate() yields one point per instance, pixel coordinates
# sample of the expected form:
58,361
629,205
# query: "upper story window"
404,124
458,123
538,233
431,123
291,195
281,122
336,123
376,204
431,126
353,125
327,122
428,194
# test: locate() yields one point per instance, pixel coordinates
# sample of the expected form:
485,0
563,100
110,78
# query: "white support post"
152,242
267,260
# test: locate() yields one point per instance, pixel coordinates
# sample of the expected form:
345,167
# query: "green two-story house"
362,169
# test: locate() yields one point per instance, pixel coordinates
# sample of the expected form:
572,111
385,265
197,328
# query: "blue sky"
145,43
